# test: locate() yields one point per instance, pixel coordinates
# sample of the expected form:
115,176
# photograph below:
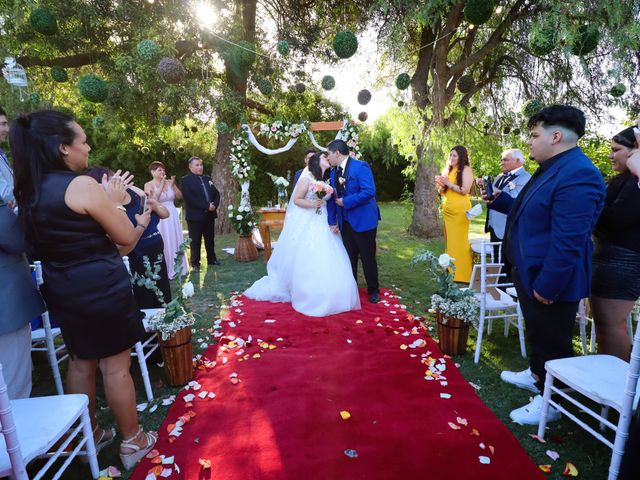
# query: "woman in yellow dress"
454,186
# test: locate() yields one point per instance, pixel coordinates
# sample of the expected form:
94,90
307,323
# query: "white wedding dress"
309,267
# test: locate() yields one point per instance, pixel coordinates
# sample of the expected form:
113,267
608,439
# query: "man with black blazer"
201,202
547,240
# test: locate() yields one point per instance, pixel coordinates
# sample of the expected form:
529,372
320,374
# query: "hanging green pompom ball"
477,12
34,97
243,55
194,129
531,107
59,74
618,90
345,44
400,103
543,42
166,120
362,116
93,88
283,48
403,81
148,49
585,40
506,129
328,82
300,87
171,70
364,97
473,109
97,121
264,86
516,131
222,127
466,83
43,21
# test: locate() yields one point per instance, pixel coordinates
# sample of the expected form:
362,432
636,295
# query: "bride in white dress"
309,267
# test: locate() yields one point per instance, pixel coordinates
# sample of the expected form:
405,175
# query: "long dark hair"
35,147
463,161
316,169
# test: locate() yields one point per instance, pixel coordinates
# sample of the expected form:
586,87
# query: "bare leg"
120,392
610,317
81,378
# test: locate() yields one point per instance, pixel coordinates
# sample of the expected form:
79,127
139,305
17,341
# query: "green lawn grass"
396,249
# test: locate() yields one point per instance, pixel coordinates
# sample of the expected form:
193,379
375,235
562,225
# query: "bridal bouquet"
321,189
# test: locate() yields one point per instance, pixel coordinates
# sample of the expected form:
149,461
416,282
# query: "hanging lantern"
186,132
14,73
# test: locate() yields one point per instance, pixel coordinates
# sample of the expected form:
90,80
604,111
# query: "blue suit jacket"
296,177
360,207
550,238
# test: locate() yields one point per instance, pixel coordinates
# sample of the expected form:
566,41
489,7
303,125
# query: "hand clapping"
116,186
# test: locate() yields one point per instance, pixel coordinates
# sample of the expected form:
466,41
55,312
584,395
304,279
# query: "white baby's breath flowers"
187,290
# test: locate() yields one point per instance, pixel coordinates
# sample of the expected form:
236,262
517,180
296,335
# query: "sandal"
130,459
107,437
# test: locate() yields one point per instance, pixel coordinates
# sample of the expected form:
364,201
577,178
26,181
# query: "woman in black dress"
71,224
615,284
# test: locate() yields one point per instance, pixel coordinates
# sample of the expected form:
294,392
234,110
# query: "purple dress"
171,231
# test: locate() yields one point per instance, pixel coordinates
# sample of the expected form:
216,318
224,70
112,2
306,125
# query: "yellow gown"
456,230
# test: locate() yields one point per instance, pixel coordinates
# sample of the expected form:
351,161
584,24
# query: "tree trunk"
426,221
224,182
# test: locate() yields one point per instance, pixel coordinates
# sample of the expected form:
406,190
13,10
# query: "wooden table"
270,218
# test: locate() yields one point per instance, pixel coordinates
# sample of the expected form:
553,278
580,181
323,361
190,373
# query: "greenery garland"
351,134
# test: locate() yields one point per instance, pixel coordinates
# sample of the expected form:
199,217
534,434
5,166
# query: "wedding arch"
240,162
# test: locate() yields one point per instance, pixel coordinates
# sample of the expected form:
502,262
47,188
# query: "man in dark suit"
353,211
548,243
307,156
201,201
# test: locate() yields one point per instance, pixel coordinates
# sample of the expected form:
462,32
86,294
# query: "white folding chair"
485,280
43,339
604,379
142,350
31,427
634,315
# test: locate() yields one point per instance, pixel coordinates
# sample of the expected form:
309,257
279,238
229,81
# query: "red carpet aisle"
271,408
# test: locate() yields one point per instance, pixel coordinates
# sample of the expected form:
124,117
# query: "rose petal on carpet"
359,395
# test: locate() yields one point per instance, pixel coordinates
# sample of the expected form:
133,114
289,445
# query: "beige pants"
15,357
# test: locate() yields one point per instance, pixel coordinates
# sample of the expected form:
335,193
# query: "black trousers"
197,230
362,244
630,467
549,329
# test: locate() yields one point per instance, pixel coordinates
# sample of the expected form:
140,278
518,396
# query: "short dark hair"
565,116
626,138
339,146
97,172
308,151
153,166
2,112
194,158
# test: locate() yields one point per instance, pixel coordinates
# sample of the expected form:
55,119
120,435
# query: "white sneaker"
522,379
530,413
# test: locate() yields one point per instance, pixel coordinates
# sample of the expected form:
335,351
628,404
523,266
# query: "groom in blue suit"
353,211
547,240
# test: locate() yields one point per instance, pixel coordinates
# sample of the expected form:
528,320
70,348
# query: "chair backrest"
491,274
8,427
488,276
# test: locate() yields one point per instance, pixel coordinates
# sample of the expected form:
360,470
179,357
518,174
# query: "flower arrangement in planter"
242,218
174,322
176,314
281,184
454,307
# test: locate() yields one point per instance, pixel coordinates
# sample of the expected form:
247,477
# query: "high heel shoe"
107,436
130,459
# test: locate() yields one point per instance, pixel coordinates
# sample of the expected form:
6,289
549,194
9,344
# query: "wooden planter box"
452,334
177,354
